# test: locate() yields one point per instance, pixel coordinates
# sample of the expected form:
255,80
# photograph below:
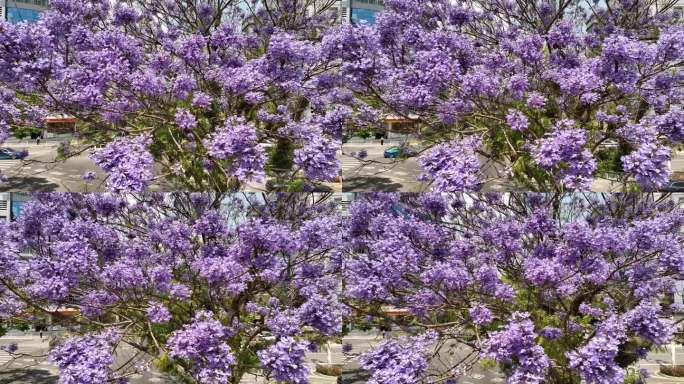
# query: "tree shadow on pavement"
352,373
367,184
28,184
27,376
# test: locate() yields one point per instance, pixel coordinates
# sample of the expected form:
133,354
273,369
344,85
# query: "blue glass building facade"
16,11
360,15
360,11
11,205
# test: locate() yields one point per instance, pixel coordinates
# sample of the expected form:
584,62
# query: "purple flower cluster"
322,313
128,162
645,320
318,159
564,150
185,119
285,360
649,165
480,314
551,333
86,359
399,361
517,120
237,141
516,343
203,343
596,360
158,313
453,166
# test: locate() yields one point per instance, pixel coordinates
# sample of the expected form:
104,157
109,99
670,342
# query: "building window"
16,15
40,3
359,15
678,13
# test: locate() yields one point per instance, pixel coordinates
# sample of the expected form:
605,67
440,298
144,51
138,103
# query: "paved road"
655,359
33,366
376,173
41,171
677,163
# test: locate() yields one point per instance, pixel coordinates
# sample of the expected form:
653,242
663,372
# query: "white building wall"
5,207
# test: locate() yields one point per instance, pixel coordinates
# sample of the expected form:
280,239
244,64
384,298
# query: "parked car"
12,154
399,151
674,186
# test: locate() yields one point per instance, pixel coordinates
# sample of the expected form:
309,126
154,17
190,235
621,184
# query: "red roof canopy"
52,120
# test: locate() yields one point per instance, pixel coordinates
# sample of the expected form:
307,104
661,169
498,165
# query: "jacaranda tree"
553,288
208,286
550,93
215,92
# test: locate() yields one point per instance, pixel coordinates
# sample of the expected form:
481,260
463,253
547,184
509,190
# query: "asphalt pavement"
42,171
375,173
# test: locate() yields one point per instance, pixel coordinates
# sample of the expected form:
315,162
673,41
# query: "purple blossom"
536,100
95,303
562,35
86,359
185,119
564,149
649,165
286,360
89,176
480,314
158,313
517,120
201,100
128,163
180,292
124,15
453,166
203,343
318,159
398,361
283,323
322,313
237,141
595,361
517,85
551,333
646,320
516,344
183,86
10,348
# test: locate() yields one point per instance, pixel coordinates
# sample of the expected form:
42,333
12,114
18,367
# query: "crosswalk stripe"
4,357
9,164
349,163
